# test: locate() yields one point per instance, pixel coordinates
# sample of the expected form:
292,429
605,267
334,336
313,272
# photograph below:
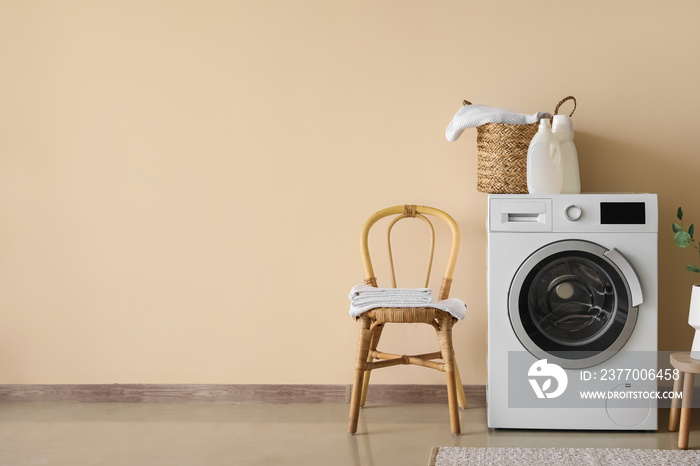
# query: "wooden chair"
372,322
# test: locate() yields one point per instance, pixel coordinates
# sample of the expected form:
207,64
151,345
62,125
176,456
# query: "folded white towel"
471,116
362,295
363,298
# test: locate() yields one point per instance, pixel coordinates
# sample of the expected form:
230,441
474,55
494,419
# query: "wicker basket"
502,155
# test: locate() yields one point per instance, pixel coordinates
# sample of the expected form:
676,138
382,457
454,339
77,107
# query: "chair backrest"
412,211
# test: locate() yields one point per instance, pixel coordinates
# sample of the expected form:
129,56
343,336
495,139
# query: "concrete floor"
191,434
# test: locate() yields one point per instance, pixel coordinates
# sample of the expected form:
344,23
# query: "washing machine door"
574,303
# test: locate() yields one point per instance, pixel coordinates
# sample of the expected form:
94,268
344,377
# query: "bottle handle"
555,153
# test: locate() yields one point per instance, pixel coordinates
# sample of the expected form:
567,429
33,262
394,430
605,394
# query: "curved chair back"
412,211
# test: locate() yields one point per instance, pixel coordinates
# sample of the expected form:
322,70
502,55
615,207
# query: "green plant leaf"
679,214
682,239
691,230
677,228
693,268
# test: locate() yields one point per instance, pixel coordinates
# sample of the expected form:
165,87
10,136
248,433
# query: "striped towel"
471,116
363,298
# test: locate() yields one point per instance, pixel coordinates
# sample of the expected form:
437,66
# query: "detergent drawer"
520,214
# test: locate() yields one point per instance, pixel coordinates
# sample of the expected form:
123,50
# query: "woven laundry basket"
502,155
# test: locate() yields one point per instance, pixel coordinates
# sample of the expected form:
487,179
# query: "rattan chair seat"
405,315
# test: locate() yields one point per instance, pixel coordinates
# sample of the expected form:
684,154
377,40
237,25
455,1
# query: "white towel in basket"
471,116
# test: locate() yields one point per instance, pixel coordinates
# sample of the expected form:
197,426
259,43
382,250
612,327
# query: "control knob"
573,213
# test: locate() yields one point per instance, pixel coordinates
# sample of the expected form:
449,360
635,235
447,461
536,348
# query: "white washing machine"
572,311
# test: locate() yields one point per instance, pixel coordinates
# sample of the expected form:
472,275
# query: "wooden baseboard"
249,393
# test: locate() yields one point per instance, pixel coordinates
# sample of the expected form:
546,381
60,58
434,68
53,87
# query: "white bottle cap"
562,123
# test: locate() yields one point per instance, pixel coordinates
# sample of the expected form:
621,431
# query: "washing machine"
572,311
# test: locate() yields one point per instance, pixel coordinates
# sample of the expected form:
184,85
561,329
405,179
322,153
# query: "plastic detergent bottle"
544,169
563,130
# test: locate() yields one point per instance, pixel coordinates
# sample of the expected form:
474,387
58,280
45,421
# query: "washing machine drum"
574,303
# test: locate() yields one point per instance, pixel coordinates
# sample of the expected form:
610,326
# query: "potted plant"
683,237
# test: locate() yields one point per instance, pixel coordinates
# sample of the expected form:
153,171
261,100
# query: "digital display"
622,213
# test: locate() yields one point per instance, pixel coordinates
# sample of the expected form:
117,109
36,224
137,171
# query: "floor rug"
458,456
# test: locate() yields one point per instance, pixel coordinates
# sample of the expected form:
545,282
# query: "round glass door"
571,304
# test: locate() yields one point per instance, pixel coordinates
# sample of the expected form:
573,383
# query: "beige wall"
182,183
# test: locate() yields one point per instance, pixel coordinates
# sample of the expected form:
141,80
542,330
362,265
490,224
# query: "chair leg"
360,366
461,397
448,355
376,334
